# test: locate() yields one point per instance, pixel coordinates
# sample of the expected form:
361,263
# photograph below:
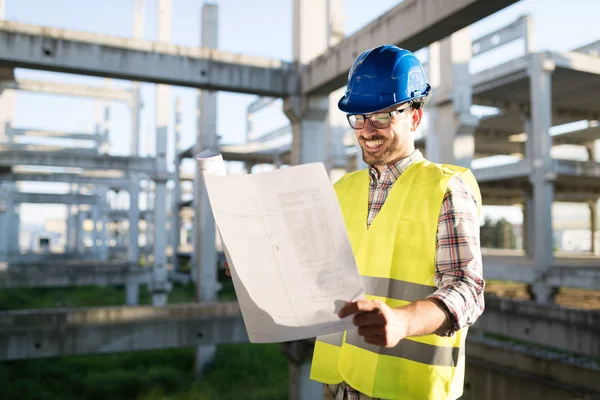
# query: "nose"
368,130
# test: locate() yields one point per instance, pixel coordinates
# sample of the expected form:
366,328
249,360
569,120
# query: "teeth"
374,143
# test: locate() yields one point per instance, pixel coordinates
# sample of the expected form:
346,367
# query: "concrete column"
15,229
71,242
138,33
591,150
103,207
77,229
176,198
2,11
542,176
309,115
450,138
593,224
205,255
148,219
106,125
528,224
103,122
206,269
95,239
315,28
80,220
136,106
5,207
160,284
7,112
133,249
176,219
69,225
300,387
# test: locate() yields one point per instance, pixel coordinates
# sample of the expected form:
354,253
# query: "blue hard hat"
383,77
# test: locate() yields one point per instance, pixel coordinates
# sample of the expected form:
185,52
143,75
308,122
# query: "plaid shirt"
458,266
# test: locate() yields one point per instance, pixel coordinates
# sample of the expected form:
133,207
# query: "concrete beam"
31,334
577,61
500,370
70,159
509,171
112,183
51,198
570,277
69,89
566,273
54,134
577,168
98,274
497,76
511,32
571,330
61,50
413,24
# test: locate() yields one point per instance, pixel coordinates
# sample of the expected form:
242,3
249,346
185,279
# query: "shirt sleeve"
458,265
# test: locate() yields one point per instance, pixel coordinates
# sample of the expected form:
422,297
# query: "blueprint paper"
287,247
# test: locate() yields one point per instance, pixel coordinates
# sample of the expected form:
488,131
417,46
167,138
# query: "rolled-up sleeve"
459,272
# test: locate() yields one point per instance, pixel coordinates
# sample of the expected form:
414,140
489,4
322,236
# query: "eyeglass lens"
378,121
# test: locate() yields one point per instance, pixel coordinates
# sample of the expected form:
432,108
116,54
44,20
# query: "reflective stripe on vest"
443,356
396,289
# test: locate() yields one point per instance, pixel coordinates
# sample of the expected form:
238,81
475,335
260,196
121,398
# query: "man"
414,230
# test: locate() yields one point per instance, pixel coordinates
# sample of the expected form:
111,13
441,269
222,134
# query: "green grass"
95,296
243,371
240,372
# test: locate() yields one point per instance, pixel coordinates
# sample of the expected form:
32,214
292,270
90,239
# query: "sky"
253,27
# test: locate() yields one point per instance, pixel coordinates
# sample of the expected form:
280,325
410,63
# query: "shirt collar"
392,172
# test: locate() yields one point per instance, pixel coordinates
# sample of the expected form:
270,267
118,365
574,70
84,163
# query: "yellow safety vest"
396,259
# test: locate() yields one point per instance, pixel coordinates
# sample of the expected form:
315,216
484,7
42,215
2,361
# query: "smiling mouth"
373,144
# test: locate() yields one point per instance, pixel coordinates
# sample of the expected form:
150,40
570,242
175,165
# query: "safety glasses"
380,120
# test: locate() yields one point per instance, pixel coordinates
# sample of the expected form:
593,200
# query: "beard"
384,155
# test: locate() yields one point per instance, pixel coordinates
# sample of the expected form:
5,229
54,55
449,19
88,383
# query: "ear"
417,116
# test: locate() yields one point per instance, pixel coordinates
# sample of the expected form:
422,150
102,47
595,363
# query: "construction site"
109,254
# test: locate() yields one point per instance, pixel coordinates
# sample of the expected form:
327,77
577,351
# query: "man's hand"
227,271
377,323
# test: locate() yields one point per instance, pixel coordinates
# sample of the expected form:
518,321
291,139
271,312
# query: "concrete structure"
160,285
307,103
48,333
30,46
204,258
35,333
67,274
411,24
532,94
498,370
582,272
569,330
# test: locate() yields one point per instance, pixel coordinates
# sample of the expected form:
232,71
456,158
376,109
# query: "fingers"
371,330
374,317
376,340
227,271
359,306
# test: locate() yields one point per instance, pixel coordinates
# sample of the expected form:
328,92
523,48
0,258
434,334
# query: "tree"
497,234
